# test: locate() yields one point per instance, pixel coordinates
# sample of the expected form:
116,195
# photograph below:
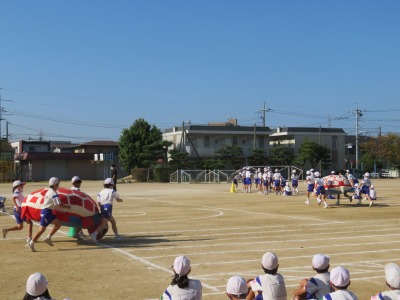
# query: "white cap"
269,261
392,272
54,181
311,170
293,171
308,172
36,284
181,265
372,186
347,171
367,174
320,261
237,286
109,181
276,170
316,174
340,276
75,179
333,172
17,183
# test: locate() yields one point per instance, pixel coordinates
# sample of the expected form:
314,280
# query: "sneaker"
48,241
77,236
119,237
319,201
4,230
28,239
307,202
31,246
326,206
371,203
93,235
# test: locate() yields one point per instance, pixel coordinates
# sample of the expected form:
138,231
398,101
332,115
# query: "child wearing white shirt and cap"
105,200
392,275
271,285
236,288
36,287
181,286
18,198
318,286
340,281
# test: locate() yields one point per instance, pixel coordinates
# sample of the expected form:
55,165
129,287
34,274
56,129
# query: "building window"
234,140
207,141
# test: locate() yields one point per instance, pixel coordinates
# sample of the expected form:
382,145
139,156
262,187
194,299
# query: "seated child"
372,193
287,191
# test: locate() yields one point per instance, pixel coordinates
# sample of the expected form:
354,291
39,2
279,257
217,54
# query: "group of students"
52,202
266,181
316,185
324,284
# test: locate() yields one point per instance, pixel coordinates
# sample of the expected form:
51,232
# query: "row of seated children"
324,285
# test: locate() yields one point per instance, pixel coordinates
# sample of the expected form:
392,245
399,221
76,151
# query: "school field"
222,233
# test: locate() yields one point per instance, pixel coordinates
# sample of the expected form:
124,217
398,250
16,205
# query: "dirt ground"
223,234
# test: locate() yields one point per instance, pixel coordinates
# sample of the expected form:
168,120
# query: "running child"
18,198
105,201
310,186
47,217
320,189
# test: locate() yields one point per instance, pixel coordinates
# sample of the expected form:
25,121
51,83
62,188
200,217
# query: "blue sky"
84,70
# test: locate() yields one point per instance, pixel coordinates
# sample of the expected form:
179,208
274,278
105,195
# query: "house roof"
52,156
100,143
309,130
226,129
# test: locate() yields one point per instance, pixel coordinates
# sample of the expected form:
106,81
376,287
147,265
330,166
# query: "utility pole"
358,114
263,111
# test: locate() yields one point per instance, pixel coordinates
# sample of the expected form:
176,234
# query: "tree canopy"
313,153
140,144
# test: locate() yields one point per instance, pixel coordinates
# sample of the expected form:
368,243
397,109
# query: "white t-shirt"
310,179
276,176
107,196
340,295
318,286
51,199
19,198
272,286
192,292
372,194
387,295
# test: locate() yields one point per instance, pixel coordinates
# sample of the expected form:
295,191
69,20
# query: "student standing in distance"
317,286
51,201
181,286
18,198
295,182
276,177
310,186
105,201
340,281
236,288
320,190
114,176
392,275
271,285
76,186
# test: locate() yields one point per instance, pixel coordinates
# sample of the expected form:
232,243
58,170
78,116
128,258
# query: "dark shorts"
320,190
17,216
310,187
106,211
295,183
46,217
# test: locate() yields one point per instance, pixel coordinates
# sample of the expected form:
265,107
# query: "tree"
282,156
231,156
313,153
133,142
257,158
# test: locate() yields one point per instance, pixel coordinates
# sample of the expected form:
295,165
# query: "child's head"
372,187
18,184
109,183
54,183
